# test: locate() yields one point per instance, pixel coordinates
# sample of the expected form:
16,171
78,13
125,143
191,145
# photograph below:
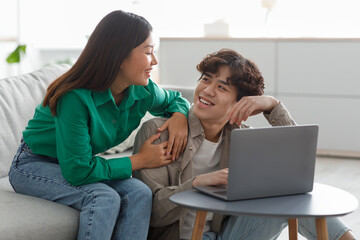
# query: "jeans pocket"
25,155
26,150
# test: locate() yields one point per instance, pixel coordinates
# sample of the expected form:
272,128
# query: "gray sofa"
21,216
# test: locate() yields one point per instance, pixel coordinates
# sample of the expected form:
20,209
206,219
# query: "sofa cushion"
26,217
5,185
19,96
186,92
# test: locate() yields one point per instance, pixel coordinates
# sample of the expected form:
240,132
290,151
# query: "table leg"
293,228
321,229
199,225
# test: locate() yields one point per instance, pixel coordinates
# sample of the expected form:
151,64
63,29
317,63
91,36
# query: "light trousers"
266,228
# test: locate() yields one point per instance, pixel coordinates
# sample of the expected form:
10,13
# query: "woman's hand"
151,155
178,132
251,105
219,177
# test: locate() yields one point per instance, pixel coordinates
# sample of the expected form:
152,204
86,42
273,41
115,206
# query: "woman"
91,108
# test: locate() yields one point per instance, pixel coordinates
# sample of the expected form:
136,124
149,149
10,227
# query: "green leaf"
22,48
14,57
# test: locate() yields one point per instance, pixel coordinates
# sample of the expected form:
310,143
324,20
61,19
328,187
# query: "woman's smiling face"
136,68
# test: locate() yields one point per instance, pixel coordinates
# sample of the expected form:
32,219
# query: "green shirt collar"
101,97
133,93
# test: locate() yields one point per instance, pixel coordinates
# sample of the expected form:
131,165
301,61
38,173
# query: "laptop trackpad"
219,191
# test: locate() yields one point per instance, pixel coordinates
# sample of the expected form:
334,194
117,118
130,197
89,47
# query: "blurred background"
63,26
307,50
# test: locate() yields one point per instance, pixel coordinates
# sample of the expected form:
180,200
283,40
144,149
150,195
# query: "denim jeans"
118,209
266,228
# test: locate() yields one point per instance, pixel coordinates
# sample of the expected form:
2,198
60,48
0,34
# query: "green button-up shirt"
89,122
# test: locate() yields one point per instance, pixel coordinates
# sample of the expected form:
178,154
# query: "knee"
143,190
348,236
147,195
142,198
104,198
140,192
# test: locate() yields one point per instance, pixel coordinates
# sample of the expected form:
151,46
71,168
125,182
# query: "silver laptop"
267,162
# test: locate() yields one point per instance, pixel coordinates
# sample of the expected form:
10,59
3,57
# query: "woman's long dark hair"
99,63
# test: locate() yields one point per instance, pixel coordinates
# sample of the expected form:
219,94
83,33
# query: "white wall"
317,79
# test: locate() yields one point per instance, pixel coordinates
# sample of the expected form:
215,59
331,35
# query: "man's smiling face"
214,96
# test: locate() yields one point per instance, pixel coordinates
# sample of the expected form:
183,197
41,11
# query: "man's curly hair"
246,76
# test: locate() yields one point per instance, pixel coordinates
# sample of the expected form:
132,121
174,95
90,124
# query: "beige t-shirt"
205,160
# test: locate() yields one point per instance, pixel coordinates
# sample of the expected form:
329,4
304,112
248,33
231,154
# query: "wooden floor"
341,173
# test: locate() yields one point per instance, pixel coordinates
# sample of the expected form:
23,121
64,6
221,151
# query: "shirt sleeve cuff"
181,109
279,116
120,168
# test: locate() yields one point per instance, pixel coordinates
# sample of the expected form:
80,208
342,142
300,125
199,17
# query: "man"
229,90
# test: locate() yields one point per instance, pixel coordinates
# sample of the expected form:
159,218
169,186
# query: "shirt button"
273,121
190,148
114,121
179,170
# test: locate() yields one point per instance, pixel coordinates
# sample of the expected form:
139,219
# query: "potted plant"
15,56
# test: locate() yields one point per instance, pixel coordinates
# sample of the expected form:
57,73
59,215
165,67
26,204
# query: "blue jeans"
118,209
261,228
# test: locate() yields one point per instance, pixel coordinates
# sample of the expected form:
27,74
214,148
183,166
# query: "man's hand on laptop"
216,178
